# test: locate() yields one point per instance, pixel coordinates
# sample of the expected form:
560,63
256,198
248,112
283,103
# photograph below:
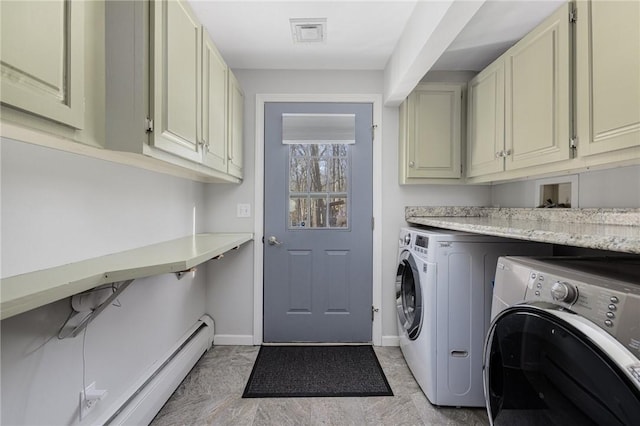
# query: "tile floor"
212,395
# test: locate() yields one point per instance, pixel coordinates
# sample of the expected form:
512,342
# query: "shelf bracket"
78,321
181,274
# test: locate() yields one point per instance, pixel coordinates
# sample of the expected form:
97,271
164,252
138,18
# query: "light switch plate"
244,210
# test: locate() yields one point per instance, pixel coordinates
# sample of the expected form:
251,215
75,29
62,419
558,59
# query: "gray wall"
58,208
618,187
235,320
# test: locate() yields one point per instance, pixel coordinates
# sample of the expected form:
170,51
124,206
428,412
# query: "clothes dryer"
564,344
443,297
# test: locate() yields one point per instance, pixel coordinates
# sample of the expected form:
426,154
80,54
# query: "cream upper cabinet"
168,90
608,75
538,94
214,106
485,128
520,105
430,134
176,79
235,110
42,58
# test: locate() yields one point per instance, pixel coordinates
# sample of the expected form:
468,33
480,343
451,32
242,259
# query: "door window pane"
298,178
299,150
338,213
337,175
298,212
317,175
318,212
319,169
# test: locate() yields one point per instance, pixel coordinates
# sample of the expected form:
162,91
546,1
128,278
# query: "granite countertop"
605,229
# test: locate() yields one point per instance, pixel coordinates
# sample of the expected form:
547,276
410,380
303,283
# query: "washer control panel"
420,246
615,307
600,305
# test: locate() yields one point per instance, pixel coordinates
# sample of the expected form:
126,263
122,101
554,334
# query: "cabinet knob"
412,164
499,154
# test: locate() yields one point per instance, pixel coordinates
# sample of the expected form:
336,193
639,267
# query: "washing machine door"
547,366
408,295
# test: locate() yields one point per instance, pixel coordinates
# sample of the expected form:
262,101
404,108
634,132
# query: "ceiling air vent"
308,30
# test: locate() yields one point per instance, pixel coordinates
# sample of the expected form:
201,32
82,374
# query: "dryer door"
551,367
408,295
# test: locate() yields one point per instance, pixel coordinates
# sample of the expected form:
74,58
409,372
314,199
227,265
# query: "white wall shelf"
28,291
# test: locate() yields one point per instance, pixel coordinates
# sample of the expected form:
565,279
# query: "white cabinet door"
485,130
608,75
214,106
235,113
433,131
42,58
538,94
176,79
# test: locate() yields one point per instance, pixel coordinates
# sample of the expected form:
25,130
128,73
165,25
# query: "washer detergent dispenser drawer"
554,368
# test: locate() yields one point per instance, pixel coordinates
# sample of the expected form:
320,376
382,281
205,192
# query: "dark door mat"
315,371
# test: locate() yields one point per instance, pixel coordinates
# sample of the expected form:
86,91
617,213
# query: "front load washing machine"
443,297
564,344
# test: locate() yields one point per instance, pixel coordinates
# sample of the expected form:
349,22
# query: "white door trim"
258,260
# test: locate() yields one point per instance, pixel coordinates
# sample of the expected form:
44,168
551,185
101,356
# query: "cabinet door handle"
499,154
507,153
412,164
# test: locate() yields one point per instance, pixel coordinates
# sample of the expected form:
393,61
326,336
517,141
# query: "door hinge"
373,132
573,15
149,124
373,311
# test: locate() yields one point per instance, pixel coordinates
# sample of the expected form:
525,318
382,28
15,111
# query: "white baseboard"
390,341
233,339
148,394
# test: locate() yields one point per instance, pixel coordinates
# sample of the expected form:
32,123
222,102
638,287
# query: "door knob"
273,241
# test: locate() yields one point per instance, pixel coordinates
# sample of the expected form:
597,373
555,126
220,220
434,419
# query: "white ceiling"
497,26
361,34
257,35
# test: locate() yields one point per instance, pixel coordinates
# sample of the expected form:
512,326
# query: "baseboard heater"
146,397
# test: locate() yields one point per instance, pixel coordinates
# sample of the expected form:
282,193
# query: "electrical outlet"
244,210
89,398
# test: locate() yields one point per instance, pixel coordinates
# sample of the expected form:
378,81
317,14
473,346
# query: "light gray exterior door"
318,222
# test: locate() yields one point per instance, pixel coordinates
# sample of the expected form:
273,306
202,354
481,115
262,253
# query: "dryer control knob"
407,239
564,292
